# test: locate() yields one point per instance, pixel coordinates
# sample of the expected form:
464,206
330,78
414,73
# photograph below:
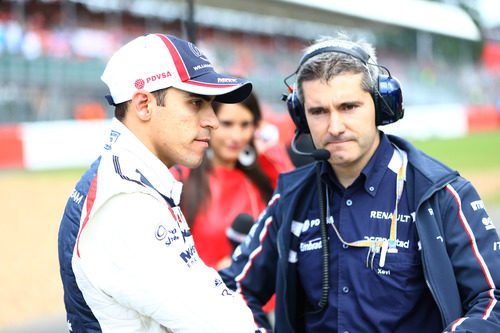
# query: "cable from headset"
325,269
325,272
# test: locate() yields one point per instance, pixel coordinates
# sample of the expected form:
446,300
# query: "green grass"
476,152
71,173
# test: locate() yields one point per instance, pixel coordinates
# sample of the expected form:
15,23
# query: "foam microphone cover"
239,228
320,154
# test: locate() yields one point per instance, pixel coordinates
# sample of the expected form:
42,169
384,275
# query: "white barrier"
76,143
431,121
62,144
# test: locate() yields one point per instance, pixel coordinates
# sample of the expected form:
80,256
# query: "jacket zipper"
425,264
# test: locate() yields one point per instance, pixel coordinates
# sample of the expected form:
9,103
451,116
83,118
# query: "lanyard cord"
373,246
387,245
399,192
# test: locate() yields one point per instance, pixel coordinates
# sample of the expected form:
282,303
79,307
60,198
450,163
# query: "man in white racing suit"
128,261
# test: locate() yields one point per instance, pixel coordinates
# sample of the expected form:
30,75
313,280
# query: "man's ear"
142,103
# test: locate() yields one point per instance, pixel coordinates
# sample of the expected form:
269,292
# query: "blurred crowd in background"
52,54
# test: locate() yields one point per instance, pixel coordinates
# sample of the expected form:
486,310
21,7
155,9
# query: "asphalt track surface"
57,323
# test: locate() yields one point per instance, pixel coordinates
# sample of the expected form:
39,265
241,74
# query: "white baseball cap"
155,61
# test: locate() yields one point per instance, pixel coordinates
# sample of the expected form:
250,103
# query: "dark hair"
325,66
196,188
121,109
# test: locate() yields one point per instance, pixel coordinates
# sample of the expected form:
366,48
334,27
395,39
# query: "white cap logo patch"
194,49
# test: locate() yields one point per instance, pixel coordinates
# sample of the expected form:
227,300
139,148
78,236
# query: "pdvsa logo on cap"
139,83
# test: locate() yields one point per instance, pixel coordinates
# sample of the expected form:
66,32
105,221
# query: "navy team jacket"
460,247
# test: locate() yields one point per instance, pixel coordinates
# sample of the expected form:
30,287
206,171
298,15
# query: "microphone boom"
317,154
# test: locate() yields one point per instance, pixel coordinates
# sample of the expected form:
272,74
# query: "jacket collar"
373,172
144,162
425,174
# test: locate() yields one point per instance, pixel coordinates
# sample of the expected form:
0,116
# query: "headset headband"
345,47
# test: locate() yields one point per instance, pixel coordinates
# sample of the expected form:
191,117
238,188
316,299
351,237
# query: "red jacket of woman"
232,193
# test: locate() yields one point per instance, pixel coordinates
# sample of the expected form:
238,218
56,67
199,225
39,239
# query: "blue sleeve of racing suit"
473,246
254,262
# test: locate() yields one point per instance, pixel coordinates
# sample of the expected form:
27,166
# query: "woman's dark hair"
196,189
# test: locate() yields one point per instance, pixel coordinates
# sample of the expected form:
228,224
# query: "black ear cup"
297,112
389,104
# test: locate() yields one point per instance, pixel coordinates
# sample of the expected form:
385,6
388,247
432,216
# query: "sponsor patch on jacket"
477,205
488,223
76,196
310,245
381,215
166,236
189,256
225,290
113,136
314,223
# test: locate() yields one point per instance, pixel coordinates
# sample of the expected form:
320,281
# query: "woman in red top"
238,175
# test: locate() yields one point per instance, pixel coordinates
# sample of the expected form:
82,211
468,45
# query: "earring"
247,156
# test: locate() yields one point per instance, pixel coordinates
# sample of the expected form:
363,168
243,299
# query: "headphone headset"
387,97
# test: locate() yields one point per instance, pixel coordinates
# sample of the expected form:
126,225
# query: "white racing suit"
128,261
